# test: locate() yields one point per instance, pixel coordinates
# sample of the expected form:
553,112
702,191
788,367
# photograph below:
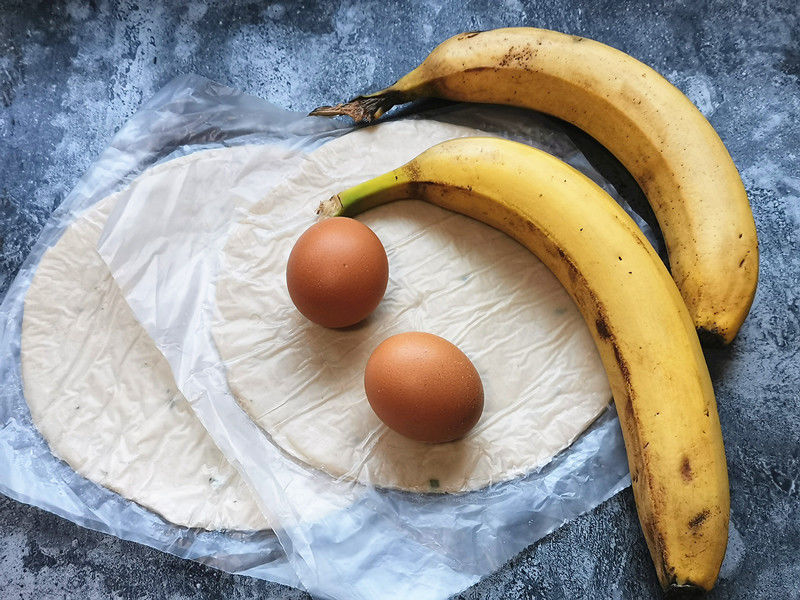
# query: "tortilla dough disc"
449,275
101,393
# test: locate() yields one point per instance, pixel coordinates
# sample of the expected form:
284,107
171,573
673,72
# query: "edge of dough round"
100,392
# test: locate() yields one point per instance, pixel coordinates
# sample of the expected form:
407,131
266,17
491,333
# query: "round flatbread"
101,393
449,275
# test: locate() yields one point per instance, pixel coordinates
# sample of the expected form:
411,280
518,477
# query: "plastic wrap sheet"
347,539
188,114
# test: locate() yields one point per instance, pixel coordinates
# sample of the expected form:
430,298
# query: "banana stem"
380,190
332,207
363,109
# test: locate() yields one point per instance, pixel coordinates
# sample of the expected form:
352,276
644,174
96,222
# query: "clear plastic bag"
189,114
344,539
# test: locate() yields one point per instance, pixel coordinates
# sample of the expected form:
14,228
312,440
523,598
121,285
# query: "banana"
649,125
640,324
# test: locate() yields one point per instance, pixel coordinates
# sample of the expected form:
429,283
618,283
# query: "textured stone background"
72,73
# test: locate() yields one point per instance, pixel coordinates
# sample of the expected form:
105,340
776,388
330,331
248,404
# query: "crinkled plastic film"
189,114
345,539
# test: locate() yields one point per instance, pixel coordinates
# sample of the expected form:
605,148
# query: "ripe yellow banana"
651,127
639,322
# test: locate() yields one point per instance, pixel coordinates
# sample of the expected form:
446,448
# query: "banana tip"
713,337
684,592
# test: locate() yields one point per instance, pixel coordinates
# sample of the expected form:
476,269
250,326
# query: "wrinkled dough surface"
102,394
449,275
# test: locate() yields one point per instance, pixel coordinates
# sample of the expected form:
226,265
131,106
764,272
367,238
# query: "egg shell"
423,387
337,272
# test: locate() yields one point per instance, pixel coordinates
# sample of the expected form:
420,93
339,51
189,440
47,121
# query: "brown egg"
424,387
337,272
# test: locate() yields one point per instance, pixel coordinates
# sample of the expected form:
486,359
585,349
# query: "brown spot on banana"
625,371
686,469
698,520
602,327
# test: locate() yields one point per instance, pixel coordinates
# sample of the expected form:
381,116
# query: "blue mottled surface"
71,74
